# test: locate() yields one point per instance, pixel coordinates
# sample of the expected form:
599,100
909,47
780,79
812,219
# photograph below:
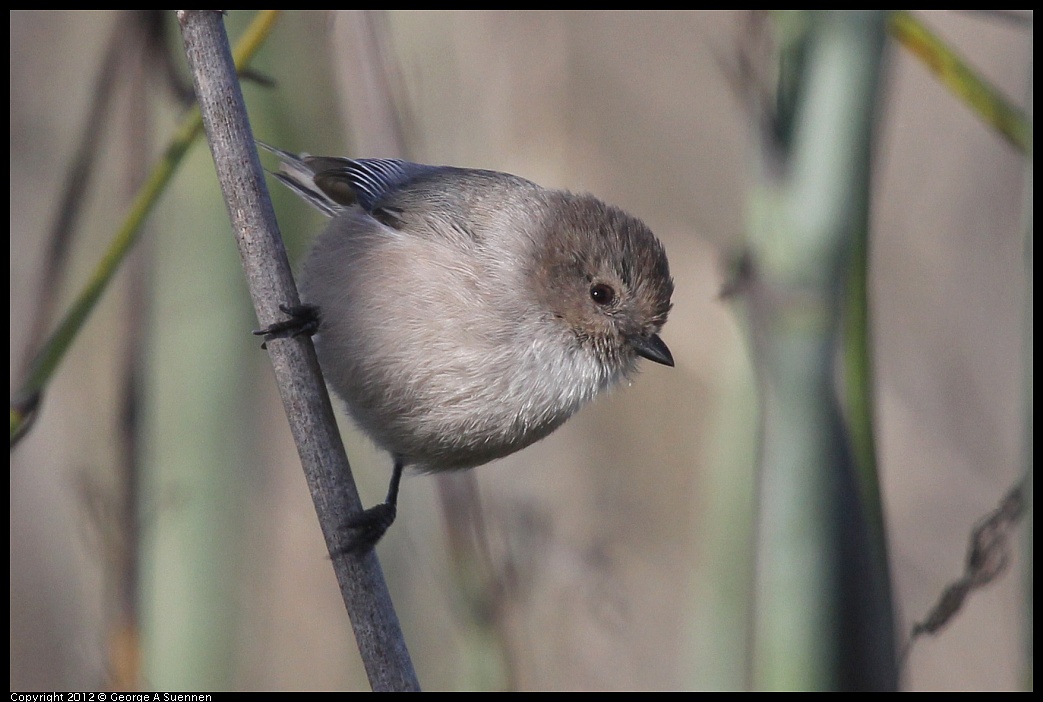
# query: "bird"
463,314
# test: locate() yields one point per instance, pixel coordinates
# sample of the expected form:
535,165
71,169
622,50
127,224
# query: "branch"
297,372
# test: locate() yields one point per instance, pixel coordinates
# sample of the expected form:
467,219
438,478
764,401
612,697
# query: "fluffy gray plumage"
466,313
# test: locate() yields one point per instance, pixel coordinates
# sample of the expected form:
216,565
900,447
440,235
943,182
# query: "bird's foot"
304,319
367,527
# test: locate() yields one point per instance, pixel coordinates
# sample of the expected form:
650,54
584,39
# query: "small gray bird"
464,314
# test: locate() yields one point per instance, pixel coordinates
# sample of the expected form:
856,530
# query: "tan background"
621,542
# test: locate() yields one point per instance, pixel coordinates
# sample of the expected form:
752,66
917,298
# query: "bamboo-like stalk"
814,562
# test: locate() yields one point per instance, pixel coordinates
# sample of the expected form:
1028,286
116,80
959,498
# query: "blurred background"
615,554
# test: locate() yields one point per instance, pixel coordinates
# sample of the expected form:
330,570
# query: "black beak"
652,348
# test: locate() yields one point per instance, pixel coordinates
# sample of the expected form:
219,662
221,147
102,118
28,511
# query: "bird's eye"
602,294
